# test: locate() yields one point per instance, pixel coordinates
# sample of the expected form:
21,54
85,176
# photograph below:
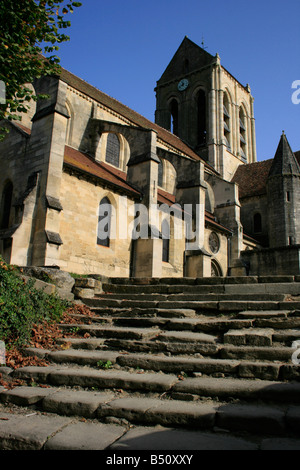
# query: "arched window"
113,150
104,222
174,117
160,174
6,205
257,224
243,140
201,117
216,270
165,231
226,114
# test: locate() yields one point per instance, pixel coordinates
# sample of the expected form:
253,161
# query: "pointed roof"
285,162
196,56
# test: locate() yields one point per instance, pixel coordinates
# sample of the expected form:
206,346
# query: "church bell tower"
207,108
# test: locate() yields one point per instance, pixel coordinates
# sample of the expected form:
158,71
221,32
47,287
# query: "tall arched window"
201,117
243,139
6,201
226,113
160,174
113,150
174,117
104,222
165,231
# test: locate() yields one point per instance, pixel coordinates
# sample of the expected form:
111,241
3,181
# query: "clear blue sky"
123,47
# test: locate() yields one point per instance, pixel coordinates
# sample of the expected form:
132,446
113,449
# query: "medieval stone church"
91,186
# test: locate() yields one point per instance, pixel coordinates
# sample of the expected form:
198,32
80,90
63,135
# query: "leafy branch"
30,31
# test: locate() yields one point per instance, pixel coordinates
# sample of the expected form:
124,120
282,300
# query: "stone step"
191,297
111,331
198,306
244,368
277,319
140,312
177,387
205,280
223,351
292,288
87,377
174,348
151,411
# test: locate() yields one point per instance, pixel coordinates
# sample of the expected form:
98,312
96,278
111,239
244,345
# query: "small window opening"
160,174
6,205
257,223
165,230
104,223
201,106
113,150
174,117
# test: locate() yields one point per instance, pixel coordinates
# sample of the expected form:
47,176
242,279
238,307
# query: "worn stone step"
205,280
178,364
187,365
174,348
261,353
258,419
140,312
79,357
228,306
250,336
243,389
91,378
287,336
292,288
191,297
162,289
112,331
192,324
268,387
185,336
223,351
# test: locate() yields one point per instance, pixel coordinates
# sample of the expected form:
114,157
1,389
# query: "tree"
31,31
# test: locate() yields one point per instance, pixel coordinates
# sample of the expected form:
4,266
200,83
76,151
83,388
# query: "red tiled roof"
74,158
252,178
164,197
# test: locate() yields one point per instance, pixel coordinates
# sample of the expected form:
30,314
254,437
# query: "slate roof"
284,162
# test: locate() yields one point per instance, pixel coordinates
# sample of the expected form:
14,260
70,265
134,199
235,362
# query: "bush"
22,306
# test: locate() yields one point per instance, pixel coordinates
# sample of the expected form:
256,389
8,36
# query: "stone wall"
272,261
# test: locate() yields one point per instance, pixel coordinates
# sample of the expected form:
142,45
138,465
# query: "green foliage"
104,365
22,306
29,28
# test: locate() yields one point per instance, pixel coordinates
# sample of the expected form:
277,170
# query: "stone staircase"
212,354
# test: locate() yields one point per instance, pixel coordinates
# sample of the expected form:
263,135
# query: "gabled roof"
136,118
196,56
